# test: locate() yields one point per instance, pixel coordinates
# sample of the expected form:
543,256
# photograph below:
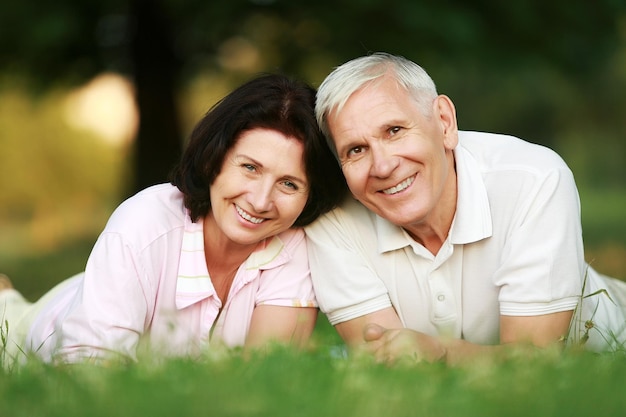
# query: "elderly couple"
449,244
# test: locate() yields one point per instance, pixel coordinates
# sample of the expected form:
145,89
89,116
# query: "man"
458,242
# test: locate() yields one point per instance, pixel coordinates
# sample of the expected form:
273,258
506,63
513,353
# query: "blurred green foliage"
57,181
550,72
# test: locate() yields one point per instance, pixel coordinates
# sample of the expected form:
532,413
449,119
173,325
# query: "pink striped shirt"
146,280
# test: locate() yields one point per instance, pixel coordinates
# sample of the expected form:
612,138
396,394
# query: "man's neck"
433,231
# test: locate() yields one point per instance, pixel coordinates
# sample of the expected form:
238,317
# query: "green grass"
317,383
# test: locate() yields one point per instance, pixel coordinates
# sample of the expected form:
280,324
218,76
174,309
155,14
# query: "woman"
217,257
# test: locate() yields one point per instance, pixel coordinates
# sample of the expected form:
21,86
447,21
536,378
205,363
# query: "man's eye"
394,130
355,151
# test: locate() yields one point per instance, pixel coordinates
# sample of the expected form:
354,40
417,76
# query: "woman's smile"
247,216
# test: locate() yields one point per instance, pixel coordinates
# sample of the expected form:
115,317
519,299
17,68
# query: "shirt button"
441,297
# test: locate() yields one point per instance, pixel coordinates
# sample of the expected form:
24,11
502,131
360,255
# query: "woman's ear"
446,115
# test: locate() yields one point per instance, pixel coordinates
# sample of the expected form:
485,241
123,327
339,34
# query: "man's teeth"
247,216
402,186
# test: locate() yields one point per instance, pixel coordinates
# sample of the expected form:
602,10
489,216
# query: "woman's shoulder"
157,208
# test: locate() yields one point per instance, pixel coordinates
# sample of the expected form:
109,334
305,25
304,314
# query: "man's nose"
383,162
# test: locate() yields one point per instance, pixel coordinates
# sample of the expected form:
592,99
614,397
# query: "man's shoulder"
346,216
349,208
494,151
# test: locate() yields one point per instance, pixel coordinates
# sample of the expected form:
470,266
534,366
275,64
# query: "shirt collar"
193,283
472,220
269,254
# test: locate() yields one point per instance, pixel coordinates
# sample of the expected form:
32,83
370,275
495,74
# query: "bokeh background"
98,97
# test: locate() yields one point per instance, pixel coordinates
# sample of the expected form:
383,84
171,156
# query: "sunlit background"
97,98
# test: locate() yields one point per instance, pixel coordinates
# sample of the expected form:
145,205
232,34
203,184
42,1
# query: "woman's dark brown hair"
274,102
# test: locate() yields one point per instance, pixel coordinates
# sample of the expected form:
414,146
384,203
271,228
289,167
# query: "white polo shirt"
514,248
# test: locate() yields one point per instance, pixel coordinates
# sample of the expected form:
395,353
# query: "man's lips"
400,187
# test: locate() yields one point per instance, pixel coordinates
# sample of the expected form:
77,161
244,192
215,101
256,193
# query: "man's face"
397,161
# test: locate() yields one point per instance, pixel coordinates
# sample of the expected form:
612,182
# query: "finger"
372,332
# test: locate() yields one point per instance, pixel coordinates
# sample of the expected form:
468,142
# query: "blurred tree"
486,52
155,69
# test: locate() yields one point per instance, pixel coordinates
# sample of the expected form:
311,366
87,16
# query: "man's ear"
445,113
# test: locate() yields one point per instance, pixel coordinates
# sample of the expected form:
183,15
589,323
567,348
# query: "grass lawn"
320,383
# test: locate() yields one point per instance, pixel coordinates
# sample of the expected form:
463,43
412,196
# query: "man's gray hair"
350,77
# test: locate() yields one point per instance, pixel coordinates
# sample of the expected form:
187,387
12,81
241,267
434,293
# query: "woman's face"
261,189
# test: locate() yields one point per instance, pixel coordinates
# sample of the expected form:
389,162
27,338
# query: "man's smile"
400,187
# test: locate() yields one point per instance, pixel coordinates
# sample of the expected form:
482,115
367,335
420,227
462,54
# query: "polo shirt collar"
472,220
193,283
268,255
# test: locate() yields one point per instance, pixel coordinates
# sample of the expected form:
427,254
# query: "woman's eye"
394,130
290,184
249,167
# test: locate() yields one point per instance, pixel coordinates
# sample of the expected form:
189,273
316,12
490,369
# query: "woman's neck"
223,258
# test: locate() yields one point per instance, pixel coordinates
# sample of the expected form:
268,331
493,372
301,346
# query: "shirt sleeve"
108,313
346,285
288,284
542,259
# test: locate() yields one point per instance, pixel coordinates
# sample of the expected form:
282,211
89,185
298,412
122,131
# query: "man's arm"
529,332
540,331
381,333
353,331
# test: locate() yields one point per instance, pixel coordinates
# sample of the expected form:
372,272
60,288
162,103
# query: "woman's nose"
261,197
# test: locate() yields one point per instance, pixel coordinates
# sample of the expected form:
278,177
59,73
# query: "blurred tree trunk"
155,68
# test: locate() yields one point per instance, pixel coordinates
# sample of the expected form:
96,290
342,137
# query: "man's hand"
394,345
381,334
